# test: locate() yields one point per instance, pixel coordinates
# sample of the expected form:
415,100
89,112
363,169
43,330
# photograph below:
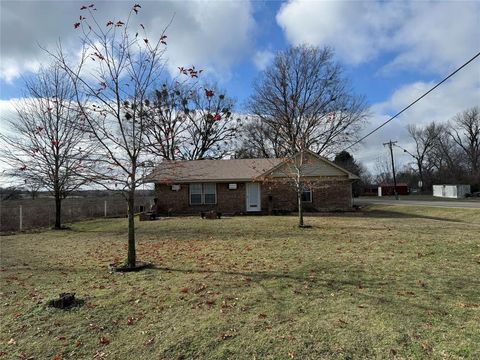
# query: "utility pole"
390,145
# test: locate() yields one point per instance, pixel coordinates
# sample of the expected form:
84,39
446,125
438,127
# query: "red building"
388,189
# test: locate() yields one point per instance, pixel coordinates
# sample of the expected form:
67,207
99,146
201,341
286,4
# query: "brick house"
238,186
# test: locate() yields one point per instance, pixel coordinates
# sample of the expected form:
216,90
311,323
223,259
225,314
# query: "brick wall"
178,202
326,195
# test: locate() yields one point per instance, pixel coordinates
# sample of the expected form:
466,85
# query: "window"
307,194
196,194
209,193
203,194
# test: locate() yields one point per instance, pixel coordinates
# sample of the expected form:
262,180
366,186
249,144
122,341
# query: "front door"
253,197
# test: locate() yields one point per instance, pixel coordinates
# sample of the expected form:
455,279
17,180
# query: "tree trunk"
58,212
300,209
131,259
420,172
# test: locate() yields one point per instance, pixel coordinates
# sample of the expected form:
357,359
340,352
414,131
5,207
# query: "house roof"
229,170
211,170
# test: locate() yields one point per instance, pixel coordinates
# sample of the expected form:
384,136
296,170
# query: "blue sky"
390,51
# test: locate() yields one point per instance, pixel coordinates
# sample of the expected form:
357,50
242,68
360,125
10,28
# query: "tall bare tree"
465,132
302,101
425,139
116,72
44,146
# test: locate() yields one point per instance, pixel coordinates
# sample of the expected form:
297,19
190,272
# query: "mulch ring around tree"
66,301
139,265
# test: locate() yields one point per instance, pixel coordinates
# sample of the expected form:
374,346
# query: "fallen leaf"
150,341
104,341
12,341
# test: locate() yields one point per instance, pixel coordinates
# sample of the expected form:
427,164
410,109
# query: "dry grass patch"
390,282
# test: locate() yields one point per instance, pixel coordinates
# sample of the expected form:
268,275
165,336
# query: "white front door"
253,197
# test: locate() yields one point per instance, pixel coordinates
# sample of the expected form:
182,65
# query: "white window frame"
202,191
307,190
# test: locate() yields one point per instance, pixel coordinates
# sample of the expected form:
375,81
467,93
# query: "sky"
391,51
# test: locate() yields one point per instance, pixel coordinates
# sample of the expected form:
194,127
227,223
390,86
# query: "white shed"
451,191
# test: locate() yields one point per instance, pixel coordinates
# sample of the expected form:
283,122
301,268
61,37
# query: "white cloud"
263,58
421,34
209,35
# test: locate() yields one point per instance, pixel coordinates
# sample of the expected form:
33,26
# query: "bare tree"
296,172
258,141
211,125
189,122
116,72
465,132
44,146
425,139
447,160
302,101
166,127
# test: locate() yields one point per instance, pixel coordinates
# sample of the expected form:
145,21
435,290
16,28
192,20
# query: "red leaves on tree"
55,142
39,130
110,23
209,93
146,41
103,86
143,27
194,73
162,39
76,25
84,7
23,168
217,117
119,23
136,7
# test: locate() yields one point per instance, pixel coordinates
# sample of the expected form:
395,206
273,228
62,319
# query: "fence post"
21,217
105,208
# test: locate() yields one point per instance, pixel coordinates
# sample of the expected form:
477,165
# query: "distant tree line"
443,153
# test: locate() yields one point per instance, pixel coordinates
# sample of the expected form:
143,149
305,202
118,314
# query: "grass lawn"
418,197
389,282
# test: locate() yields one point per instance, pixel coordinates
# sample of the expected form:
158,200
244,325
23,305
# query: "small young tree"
116,72
44,146
295,173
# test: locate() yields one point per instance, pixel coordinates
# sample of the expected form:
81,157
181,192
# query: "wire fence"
26,214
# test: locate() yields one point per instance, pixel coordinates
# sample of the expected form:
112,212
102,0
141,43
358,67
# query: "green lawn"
389,282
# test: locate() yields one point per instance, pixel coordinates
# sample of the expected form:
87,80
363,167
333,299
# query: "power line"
414,102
